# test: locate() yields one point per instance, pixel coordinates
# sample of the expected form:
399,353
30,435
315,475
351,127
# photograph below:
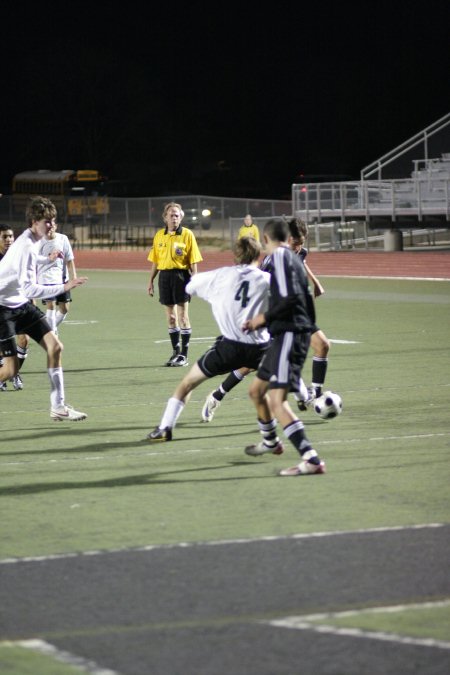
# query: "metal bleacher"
379,208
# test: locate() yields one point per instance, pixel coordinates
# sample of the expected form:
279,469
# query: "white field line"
151,404
377,439
233,397
101,458
325,276
304,623
345,342
214,451
297,623
208,339
385,278
225,542
48,649
193,339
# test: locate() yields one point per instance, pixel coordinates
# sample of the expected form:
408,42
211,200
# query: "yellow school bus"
79,196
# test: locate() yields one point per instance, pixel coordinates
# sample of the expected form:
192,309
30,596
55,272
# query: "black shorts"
63,297
27,319
282,364
227,355
172,286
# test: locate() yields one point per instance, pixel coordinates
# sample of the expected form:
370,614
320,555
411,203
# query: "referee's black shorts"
172,286
226,355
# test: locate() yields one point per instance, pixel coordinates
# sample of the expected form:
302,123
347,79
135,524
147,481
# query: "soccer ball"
328,405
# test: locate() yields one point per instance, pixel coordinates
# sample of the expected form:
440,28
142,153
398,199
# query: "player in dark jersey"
290,320
298,232
320,345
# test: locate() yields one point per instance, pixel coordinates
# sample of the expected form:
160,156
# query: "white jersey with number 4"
236,294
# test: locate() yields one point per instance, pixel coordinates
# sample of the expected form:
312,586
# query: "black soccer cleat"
173,358
160,434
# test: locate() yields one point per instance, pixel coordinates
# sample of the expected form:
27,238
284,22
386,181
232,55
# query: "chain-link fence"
133,222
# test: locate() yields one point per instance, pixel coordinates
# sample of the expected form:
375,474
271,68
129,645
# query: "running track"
416,264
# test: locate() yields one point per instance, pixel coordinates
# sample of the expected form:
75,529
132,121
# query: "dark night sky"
219,98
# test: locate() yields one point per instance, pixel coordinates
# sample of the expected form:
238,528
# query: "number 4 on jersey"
242,295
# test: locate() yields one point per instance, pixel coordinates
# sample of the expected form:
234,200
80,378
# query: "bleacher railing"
415,197
420,139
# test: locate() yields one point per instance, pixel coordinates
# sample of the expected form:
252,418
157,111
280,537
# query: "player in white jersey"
236,294
53,271
298,233
6,239
18,313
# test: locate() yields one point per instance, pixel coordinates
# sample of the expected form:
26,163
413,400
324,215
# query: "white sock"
173,410
60,317
21,354
302,394
50,316
56,387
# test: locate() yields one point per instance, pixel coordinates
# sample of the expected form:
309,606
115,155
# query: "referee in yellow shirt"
249,229
174,256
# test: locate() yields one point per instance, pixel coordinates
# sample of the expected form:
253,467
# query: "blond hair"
246,250
172,205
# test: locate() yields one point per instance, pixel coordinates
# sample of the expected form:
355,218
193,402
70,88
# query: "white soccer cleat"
17,382
67,413
172,358
305,468
179,361
210,407
305,398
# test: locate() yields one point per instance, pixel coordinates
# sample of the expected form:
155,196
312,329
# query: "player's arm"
256,322
34,290
72,283
51,257
153,273
318,288
202,284
71,269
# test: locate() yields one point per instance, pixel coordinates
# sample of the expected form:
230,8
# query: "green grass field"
100,485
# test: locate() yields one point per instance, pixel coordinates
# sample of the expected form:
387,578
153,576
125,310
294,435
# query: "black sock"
185,338
228,384
174,334
295,432
319,372
268,431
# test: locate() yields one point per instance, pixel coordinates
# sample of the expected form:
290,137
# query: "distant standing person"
18,313
249,229
174,256
6,239
54,270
